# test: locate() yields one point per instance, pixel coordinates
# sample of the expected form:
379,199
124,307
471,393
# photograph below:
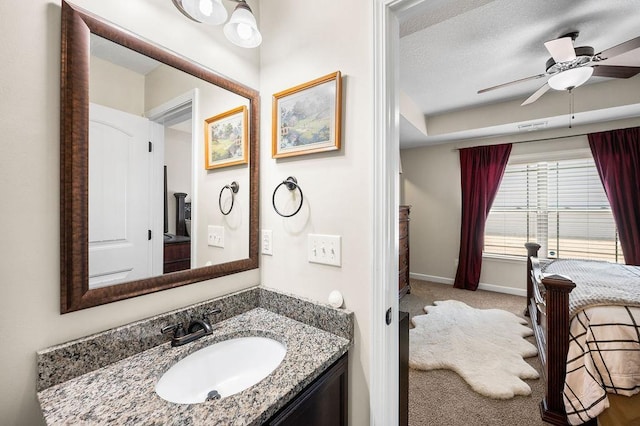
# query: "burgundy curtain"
617,157
481,172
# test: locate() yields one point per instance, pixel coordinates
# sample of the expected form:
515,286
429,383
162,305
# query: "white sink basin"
227,367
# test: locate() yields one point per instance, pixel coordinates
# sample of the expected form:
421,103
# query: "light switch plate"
325,249
267,242
215,236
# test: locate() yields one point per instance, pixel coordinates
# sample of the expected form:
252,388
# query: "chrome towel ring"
291,183
233,188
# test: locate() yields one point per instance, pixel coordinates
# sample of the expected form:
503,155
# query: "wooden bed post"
532,250
549,312
557,313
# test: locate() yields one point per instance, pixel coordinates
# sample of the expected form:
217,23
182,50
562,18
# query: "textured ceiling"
451,49
432,12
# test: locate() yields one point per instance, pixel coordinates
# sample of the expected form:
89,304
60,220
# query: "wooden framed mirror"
78,29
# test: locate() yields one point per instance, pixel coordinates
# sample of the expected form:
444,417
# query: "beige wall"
308,40
177,149
116,87
431,185
29,177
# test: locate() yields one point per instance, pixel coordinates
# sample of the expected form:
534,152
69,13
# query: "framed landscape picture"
308,118
225,137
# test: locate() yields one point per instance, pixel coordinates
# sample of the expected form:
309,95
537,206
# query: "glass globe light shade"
242,29
570,78
210,12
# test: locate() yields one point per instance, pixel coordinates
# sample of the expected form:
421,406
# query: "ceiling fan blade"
561,49
615,71
619,49
533,77
541,91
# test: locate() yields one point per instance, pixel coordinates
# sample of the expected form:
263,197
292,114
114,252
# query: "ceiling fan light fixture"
242,29
571,78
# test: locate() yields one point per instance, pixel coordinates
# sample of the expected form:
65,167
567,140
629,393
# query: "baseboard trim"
481,286
432,278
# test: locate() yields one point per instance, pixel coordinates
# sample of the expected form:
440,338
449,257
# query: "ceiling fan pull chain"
571,116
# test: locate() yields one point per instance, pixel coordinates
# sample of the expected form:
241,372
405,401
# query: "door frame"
384,390
165,114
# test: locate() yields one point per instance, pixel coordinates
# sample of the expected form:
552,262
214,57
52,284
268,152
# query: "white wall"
307,40
29,180
431,185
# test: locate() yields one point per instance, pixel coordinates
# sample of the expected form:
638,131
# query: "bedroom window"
559,204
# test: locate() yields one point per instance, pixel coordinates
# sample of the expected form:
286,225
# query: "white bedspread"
604,356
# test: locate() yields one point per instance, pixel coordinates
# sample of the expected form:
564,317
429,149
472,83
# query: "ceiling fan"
570,67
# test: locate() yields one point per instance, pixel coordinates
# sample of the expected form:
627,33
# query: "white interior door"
119,197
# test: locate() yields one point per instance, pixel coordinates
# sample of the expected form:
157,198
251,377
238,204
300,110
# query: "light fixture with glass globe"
241,29
570,79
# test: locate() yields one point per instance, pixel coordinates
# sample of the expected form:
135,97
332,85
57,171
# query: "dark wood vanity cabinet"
403,251
403,368
322,403
177,254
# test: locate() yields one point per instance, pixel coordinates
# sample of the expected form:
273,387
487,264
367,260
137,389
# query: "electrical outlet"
325,249
215,236
267,247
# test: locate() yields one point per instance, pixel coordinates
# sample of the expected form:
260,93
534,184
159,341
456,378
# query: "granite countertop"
123,392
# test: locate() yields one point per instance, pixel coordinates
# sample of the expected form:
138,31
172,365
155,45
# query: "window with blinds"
560,205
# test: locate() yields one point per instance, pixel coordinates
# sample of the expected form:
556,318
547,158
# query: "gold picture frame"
308,118
225,137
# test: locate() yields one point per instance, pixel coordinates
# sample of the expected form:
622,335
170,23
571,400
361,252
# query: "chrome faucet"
196,329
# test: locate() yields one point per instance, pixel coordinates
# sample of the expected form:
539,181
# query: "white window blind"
560,205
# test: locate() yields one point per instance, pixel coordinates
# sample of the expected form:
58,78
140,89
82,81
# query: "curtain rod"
546,139
529,140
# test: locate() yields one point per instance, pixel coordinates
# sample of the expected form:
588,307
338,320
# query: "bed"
586,320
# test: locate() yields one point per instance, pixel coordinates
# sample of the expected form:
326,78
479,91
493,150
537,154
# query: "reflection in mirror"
139,210
136,101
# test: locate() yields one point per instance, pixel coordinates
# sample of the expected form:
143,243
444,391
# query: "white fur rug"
484,346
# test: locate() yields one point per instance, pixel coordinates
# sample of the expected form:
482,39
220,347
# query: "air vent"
529,127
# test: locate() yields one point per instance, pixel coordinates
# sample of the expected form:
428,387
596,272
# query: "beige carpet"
441,397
